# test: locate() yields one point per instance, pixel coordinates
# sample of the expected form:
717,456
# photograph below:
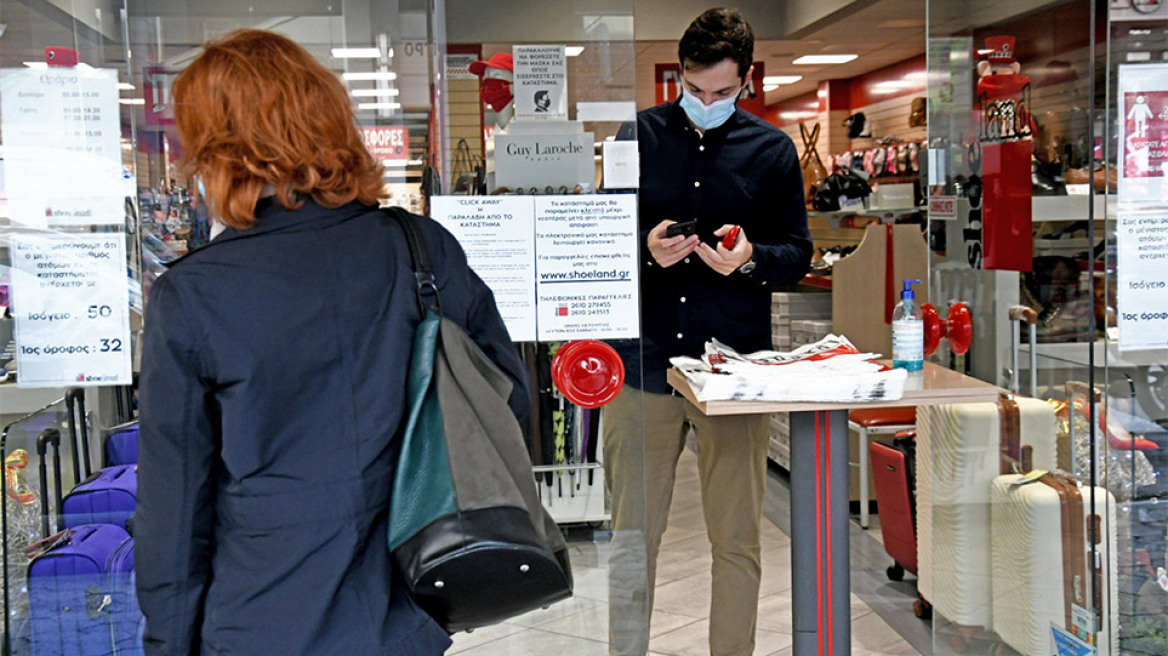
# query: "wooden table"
820,570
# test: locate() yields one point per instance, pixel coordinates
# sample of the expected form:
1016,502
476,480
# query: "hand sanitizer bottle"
908,331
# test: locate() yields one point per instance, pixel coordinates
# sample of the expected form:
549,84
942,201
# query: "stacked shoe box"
797,318
789,309
809,331
779,449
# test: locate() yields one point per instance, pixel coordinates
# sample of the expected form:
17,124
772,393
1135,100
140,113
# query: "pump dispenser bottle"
908,331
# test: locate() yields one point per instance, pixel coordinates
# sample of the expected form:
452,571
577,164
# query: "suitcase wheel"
895,572
922,609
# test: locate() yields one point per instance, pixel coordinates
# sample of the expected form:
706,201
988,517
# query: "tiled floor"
579,626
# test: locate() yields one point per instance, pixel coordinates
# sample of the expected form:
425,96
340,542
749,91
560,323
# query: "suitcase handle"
78,430
49,437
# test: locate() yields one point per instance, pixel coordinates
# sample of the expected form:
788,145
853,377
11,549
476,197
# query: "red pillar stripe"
819,532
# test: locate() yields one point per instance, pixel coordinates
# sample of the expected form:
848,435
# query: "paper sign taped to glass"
831,370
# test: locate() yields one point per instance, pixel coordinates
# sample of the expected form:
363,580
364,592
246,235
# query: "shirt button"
682,299
697,183
679,335
687,260
702,148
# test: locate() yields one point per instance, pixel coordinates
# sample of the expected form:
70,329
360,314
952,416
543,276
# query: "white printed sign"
62,153
71,301
1142,280
541,83
586,267
497,233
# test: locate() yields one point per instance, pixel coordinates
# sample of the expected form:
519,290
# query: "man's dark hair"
718,34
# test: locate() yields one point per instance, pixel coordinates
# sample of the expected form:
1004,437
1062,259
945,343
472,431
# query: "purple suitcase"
107,497
78,590
121,445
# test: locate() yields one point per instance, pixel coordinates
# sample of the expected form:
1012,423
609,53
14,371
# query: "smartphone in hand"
684,228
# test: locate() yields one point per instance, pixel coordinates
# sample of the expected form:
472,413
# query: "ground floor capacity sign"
71,301
586,267
1143,280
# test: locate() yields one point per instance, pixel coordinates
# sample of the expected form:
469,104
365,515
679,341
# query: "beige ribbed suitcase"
959,453
1045,571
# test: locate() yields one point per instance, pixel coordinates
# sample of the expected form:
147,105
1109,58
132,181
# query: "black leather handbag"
843,183
466,527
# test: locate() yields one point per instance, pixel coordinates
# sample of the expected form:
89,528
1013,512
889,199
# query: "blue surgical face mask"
707,117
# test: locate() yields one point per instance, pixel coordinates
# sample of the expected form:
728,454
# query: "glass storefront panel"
1040,523
421,108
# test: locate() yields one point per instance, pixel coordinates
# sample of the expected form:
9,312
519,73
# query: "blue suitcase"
121,445
108,497
80,592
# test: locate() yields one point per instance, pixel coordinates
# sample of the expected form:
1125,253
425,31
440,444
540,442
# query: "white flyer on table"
831,370
62,152
587,274
71,300
498,235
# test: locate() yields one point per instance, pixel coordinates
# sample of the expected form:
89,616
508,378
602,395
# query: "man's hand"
726,261
667,251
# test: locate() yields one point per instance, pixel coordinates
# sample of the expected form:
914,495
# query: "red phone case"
731,237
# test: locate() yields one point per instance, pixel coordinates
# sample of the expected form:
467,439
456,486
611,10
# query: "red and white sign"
1145,134
943,208
387,142
1143,147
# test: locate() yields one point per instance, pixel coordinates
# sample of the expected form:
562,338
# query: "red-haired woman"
274,372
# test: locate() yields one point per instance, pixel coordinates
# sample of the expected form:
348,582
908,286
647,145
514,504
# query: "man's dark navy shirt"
744,172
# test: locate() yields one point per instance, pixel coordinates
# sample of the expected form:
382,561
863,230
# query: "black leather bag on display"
466,527
843,183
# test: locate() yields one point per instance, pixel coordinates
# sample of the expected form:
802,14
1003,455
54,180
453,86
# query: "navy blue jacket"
272,388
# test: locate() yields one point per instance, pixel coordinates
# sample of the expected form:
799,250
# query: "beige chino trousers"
644,434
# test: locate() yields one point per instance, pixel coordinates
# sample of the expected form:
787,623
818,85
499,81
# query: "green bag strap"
423,270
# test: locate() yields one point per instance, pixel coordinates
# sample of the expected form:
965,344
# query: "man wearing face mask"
702,159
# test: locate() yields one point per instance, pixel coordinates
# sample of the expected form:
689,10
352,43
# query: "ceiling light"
767,88
781,79
797,116
1140,56
374,93
132,101
824,59
380,75
379,105
573,51
356,53
1138,32
125,86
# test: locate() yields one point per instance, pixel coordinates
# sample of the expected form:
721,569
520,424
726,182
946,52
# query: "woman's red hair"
255,109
